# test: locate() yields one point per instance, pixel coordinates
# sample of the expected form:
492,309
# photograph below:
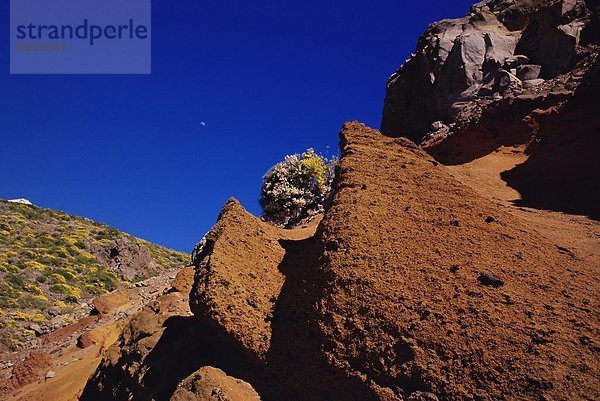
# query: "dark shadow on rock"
294,368
294,359
543,184
562,172
185,346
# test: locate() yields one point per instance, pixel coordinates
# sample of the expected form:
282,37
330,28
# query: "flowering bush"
296,187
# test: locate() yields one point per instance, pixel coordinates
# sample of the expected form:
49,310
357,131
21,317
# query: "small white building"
22,201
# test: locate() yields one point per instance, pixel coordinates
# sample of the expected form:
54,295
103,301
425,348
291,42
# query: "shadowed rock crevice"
294,358
562,172
271,277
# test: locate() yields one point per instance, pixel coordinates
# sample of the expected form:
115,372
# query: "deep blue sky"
268,78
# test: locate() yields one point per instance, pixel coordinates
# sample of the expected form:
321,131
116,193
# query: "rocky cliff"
517,74
504,51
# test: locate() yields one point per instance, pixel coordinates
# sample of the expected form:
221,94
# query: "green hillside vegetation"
46,268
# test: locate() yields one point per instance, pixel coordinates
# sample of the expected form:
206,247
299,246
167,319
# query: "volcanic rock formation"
503,51
412,286
390,302
402,307
510,74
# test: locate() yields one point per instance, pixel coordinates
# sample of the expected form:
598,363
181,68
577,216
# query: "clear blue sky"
268,78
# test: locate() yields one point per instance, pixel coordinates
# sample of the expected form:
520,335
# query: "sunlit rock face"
502,50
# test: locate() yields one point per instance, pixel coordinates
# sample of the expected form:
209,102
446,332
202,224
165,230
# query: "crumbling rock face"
128,259
256,287
504,49
238,281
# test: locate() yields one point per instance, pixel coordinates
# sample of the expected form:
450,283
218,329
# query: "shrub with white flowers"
296,187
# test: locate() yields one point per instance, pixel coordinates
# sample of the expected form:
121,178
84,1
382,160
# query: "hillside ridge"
53,264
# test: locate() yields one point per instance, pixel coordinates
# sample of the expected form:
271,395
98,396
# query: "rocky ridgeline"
412,287
535,52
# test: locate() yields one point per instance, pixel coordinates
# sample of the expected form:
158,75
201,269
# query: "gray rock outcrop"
502,50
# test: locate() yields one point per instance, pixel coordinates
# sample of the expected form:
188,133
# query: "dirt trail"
72,367
579,234
74,351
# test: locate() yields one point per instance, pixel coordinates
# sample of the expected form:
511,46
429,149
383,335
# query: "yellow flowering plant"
297,187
